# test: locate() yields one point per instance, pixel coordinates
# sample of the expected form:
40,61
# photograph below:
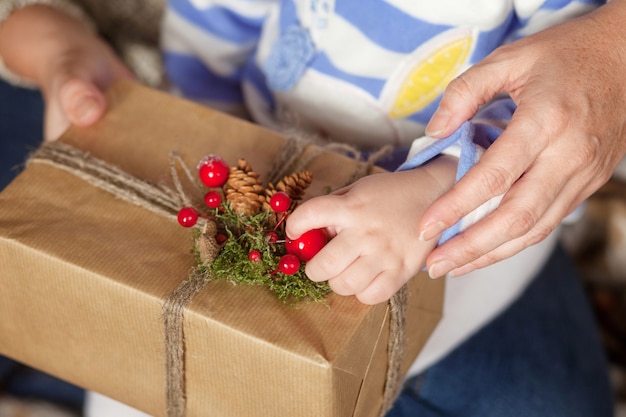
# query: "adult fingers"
467,92
533,207
499,168
75,85
82,101
72,101
542,229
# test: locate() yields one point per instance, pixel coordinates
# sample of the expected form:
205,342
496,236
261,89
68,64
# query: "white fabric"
97,405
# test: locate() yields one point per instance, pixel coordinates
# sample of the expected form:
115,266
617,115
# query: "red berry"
220,238
213,171
187,216
306,246
254,255
289,264
280,202
272,237
213,199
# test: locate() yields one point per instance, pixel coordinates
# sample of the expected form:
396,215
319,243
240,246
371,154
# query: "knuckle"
459,87
587,152
320,269
539,233
554,119
495,180
471,250
341,287
520,222
486,260
374,294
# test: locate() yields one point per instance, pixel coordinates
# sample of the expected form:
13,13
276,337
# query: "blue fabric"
541,358
469,138
220,22
197,81
386,25
288,59
465,136
21,116
20,129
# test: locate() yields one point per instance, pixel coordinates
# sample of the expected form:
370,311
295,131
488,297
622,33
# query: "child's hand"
375,247
66,59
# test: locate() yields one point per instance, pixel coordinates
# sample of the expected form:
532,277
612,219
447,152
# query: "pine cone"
244,191
269,192
273,217
295,184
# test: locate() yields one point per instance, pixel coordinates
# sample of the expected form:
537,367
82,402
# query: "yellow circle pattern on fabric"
430,77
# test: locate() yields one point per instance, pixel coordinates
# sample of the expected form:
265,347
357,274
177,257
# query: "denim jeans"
21,120
541,357
21,116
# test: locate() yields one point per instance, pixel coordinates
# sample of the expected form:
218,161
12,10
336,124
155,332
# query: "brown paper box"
84,276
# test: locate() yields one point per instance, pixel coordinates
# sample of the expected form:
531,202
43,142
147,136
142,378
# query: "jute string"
166,201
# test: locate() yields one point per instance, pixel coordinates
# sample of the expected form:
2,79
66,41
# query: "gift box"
86,274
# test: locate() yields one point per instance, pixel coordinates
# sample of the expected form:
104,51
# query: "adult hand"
66,59
563,142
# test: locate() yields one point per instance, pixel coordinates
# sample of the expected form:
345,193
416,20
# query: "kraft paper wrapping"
84,276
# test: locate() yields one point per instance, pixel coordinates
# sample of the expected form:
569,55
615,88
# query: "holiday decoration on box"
240,231
103,287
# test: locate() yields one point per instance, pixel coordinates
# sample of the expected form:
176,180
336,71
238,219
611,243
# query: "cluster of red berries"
214,172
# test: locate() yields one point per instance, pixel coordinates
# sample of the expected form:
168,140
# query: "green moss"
248,233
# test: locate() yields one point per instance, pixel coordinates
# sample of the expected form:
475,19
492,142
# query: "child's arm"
376,246
64,57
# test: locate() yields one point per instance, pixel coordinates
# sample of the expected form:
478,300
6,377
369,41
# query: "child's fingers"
318,213
356,277
338,254
382,287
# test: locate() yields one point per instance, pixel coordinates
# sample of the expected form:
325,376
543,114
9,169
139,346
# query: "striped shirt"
366,72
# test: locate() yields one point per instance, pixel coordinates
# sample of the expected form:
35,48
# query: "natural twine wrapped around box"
166,201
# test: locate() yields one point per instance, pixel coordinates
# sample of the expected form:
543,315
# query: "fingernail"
439,269
438,122
85,109
431,230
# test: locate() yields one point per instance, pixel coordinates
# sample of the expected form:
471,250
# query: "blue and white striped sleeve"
207,44
534,16
467,143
